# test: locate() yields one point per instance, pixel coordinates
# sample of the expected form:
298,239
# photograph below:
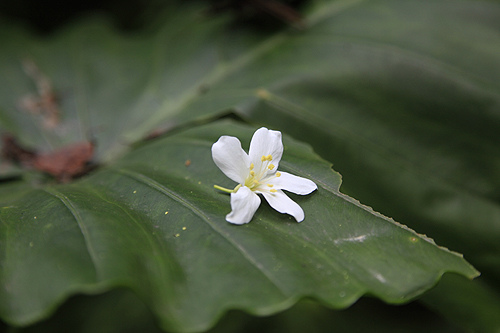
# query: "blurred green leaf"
117,311
120,311
474,305
111,88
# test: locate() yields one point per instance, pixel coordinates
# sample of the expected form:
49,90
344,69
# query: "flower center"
254,179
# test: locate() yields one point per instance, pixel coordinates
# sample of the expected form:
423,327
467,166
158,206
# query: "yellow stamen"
271,166
269,158
278,174
255,181
270,185
252,166
273,190
263,158
252,173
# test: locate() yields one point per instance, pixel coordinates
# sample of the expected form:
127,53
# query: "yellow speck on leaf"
135,192
184,228
166,213
177,235
263,94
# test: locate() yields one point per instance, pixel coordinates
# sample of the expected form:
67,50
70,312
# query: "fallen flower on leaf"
257,172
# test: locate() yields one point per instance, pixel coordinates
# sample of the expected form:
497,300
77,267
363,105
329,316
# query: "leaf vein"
79,220
153,244
168,192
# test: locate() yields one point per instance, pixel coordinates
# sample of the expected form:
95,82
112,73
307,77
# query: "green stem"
228,190
223,189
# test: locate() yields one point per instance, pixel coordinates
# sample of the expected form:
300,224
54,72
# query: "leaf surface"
155,225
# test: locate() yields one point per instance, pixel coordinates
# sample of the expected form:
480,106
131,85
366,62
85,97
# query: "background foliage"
402,96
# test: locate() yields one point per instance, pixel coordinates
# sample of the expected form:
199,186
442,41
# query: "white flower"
257,173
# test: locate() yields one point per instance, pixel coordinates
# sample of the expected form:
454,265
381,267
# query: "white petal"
231,158
294,184
283,204
244,203
266,142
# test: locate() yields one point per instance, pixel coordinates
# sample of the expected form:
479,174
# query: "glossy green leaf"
155,225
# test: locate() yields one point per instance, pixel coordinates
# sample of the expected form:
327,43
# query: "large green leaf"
155,225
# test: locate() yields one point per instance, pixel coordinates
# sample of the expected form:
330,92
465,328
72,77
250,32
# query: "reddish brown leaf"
14,152
66,163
